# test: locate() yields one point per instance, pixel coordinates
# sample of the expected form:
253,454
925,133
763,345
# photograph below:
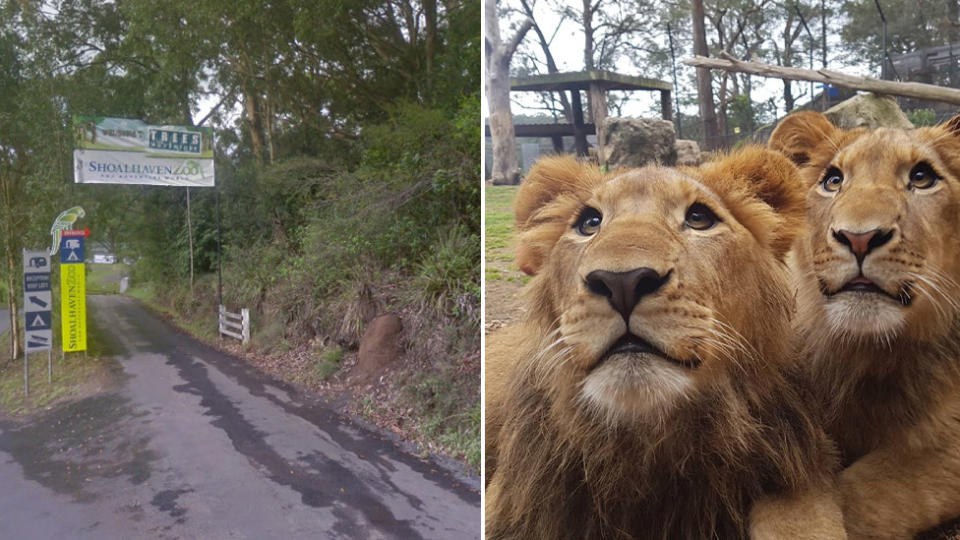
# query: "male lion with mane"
644,395
879,312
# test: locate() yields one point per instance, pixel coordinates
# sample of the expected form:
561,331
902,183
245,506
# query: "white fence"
235,325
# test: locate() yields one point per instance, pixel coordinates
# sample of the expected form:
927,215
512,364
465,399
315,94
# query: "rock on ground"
688,152
869,111
635,142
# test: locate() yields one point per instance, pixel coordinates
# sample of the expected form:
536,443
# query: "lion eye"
588,223
832,180
700,217
922,176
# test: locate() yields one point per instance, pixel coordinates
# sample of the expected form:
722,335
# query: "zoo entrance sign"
126,151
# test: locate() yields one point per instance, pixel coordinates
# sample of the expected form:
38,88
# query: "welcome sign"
125,151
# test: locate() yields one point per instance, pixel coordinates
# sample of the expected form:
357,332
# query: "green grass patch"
104,278
442,416
74,375
499,214
329,363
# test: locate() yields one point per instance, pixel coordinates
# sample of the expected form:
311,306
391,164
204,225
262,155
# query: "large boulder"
688,152
635,142
869,111
379,347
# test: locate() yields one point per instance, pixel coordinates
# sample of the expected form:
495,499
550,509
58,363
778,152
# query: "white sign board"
37,301
127,151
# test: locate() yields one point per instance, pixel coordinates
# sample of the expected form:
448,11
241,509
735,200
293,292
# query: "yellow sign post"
73,293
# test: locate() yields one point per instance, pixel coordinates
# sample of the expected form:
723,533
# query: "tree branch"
906,89
510,46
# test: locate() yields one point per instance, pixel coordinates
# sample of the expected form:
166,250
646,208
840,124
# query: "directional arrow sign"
39,340
38,300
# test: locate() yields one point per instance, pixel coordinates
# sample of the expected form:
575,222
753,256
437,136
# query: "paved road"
192,444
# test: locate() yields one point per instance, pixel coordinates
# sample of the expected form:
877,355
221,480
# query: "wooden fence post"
245,314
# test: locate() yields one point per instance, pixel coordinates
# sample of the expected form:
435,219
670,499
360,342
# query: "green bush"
922,117
329,363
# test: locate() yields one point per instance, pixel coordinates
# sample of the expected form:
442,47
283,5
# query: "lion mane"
648,447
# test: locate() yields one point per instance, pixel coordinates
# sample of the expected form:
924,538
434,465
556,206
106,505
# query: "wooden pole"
190,237
906,89
598,113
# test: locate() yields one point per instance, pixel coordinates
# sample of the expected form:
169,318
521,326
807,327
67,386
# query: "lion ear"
952,125
757,175
799,133
550,190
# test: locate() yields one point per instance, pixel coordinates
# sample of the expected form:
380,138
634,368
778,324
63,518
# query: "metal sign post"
37,308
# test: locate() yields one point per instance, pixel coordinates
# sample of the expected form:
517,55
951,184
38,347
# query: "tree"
708,114
499,53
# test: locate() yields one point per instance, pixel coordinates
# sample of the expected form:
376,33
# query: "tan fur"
889,373
637,445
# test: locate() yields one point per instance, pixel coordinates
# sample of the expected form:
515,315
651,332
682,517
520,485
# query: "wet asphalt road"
192,444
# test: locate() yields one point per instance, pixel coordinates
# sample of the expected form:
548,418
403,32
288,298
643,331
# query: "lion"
879,313
644,395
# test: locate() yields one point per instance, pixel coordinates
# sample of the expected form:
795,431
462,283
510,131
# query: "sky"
567,49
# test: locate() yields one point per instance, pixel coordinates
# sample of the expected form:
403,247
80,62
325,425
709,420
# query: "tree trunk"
430,38
506,168
787,95
708,115
551,63
10,263
598,113
251,104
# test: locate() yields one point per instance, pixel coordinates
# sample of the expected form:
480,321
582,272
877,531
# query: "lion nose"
861,244
625,289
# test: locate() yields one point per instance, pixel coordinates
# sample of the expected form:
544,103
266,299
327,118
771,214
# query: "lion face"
883,206
645,272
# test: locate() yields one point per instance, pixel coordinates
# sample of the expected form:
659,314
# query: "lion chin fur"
687,462
888,375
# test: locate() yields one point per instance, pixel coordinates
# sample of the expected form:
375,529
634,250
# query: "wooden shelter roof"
580,80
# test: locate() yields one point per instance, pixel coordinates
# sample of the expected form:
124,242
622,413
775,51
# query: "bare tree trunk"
10,263
430,37
251,104
708,115
506,168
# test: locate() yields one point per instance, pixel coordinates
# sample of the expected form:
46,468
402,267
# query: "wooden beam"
905,89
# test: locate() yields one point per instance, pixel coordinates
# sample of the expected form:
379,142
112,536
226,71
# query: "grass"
499,214
73,375
441,415
104,278
329,363
199,325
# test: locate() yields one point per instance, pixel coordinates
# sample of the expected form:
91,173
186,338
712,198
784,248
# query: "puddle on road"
166,501
320,484
68,447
